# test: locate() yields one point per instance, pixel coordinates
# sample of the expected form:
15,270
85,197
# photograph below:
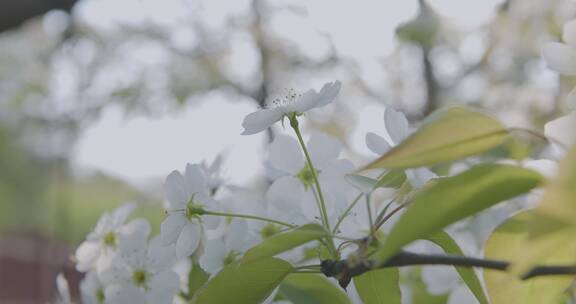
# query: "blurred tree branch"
14,13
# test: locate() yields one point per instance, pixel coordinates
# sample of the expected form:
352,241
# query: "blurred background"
101,99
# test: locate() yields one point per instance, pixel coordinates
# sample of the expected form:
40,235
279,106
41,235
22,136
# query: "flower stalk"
321,203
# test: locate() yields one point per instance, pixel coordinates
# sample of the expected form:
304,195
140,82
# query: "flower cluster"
210,224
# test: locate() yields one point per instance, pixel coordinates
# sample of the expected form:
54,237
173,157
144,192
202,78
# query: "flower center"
289,98
269,230
110,239
306,176
139,277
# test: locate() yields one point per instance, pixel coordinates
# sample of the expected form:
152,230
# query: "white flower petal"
285,193
236,234
285,155
103,225
560,57
213,258
171,227
377,144
188,240
160,257
311,99
462,294
260,120
177,191
396,125
195,179
63,289
546,167
440,280
122,213
569,33
138,226
323,149
211,221
419,177
130,294
86,255
163,287
562,129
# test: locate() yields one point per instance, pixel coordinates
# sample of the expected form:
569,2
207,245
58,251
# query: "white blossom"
110,234
291,104
141,276
187,196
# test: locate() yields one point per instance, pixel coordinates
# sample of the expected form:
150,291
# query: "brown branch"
345,271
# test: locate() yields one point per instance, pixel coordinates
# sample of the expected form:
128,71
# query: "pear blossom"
397,129
561,57
291,104
188,196
141,276
227,248
110,234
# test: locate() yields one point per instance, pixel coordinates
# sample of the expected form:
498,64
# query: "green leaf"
246,283
468,275
392,179
311,289
507,243
281,242
448,200
553,225
379,286
449,135
197,277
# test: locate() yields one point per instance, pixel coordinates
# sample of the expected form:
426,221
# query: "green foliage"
379,286
467,274
507,243
245,283
449,135
448,200
282,242
553,226
303,288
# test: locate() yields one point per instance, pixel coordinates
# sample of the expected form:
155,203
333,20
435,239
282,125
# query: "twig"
344,271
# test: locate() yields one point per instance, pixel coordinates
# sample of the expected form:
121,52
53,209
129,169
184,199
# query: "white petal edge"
377,144
396,125
171,227
261,120
188,240
560,57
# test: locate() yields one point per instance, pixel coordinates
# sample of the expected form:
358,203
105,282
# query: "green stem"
346,212
322,204
248,216
369,210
